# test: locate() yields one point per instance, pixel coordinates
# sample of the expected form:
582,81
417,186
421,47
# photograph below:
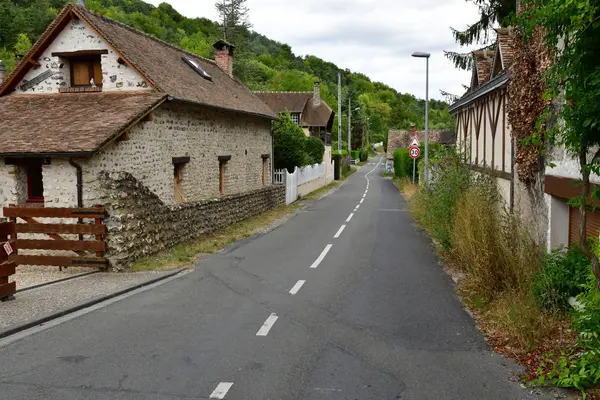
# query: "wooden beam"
6,228
53,212
8,289
60,261
79,53
7,269
61,228
148,117
40,244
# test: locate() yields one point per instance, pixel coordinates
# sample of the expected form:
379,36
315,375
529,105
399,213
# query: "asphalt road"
308,311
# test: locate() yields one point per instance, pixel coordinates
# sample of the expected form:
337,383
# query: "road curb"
61,313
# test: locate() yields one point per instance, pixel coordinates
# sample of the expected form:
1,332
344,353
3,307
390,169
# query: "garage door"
593,224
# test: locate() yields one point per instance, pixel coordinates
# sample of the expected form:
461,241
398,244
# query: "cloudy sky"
368,36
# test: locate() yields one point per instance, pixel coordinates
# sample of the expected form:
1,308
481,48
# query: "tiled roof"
69,123
161,64
299,102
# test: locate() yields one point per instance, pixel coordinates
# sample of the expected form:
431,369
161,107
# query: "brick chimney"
224,56
2,72
317,94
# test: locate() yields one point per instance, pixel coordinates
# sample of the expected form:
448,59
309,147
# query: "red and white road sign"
414,152
415,142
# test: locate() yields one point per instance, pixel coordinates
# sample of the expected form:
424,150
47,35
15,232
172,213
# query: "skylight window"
196,66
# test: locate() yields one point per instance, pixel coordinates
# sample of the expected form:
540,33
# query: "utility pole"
349,129
340,113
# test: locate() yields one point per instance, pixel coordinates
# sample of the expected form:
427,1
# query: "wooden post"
98,221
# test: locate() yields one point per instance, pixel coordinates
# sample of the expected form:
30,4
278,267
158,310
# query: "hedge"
355,154
403,163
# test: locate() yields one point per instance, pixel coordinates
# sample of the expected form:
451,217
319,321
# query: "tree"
234,16
571,30
491,12
288,144
23,44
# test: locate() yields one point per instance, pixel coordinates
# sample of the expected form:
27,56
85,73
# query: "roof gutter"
198,103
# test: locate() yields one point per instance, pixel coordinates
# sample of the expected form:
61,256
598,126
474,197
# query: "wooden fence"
90,251
7,268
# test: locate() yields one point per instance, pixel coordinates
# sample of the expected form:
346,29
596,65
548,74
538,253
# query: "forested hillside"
261,63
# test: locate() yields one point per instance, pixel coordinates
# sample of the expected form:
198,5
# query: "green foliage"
563,274
402,163
364,155
23,44
355,154
315,148
289,144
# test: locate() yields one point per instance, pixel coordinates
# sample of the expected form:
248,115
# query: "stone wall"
76,36
140,224
184,131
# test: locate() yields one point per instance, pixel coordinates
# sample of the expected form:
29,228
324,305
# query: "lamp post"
426,57
350,127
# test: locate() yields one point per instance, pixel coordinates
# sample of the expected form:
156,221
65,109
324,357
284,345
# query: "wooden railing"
90,252
7,268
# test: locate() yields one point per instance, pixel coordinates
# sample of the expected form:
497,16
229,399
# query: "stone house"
171,143
484,136
308,110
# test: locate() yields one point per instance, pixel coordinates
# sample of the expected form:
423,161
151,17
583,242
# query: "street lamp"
350,128
426,56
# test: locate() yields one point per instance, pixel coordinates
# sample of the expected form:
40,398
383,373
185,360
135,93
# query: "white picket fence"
300,176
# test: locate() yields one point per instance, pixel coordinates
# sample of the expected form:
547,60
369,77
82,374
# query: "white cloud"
375,38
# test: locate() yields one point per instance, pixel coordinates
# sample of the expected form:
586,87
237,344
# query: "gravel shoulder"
39,302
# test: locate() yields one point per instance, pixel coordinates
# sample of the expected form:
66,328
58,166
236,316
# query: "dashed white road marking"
339,232
350,217
297,287
364,195
361,200
322,256
357,207
264,330
221,391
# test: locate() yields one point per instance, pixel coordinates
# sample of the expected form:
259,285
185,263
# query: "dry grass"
187,253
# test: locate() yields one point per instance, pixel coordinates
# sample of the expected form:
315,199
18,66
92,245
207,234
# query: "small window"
221,177
177,173
35,184
84,69
296,118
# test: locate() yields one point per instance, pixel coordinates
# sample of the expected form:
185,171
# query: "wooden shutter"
97,73
592,228
81,73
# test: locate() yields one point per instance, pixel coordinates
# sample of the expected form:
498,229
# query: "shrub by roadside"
519,296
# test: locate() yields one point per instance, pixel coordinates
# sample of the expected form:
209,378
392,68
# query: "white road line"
357,207
264,330
221,391
361,200
364,195
339,232
297,287
350,217
322,256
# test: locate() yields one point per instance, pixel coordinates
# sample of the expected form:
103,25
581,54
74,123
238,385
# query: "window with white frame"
296,118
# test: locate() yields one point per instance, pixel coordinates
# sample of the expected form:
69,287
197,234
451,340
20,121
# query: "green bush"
563,274
355,154
315,149
402,163
289,144
364,155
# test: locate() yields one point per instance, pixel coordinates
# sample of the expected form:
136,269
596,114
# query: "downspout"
79,174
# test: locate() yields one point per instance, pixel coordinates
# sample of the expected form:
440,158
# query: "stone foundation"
140,224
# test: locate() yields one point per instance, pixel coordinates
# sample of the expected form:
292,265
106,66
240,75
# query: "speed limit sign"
414,152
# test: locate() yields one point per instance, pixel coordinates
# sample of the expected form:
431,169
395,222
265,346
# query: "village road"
309,311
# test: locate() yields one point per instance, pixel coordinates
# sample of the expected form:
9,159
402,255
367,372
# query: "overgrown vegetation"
292,148
521,297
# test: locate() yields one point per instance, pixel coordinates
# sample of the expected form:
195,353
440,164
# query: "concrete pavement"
345,301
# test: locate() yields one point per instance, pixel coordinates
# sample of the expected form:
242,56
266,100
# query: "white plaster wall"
504,190
566,165
77,35
8,185
200,133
